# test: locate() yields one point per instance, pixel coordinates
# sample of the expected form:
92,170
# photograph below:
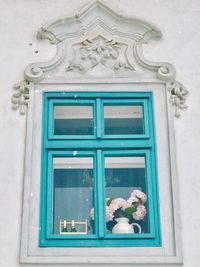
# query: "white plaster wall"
179,20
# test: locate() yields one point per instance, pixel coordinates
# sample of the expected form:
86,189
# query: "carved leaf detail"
178,97
20,98
99,50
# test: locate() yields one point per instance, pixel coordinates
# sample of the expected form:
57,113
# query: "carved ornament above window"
98,43
91,52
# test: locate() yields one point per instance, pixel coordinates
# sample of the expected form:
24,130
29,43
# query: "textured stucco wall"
179,22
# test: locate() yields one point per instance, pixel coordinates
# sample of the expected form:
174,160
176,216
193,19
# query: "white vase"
124,227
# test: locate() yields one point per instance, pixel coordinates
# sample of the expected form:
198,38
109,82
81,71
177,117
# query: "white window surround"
115,64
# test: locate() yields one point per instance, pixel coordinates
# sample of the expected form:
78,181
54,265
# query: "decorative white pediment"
96,42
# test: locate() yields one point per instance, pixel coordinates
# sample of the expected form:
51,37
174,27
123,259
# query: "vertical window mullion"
98,117
51,120
100,196
146,115
49,218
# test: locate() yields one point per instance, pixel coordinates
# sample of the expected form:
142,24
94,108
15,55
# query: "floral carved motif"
99,50
20,98
178,97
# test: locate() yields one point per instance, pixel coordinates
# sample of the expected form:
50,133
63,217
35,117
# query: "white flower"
119,203
109,214
113,207
140,195
132,200
92,213
139,213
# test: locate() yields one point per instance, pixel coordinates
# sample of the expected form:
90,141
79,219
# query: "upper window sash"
97,111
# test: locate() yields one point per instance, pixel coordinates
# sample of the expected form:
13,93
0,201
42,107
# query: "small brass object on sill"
70,227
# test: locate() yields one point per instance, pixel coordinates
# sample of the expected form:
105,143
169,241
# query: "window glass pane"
127,119
73,120
126,199
73,195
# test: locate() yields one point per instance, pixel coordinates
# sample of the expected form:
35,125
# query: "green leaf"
109,201
129,211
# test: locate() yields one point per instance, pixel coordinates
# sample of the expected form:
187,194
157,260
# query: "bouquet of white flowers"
132,208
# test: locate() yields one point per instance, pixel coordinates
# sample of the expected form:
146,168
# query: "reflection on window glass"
73,195
126,199
127,119
73,120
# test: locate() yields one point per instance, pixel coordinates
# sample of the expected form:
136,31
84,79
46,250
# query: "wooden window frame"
98,145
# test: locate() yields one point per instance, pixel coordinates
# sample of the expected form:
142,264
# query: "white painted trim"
174,179
169,253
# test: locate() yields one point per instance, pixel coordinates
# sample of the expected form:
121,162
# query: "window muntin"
100,148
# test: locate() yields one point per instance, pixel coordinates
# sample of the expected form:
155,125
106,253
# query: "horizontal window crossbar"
119,144
147,242
90,95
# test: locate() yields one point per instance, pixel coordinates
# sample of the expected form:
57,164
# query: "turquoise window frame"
98,146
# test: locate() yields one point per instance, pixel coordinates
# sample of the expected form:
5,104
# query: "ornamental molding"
20,98
178,94
91,52
97,42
